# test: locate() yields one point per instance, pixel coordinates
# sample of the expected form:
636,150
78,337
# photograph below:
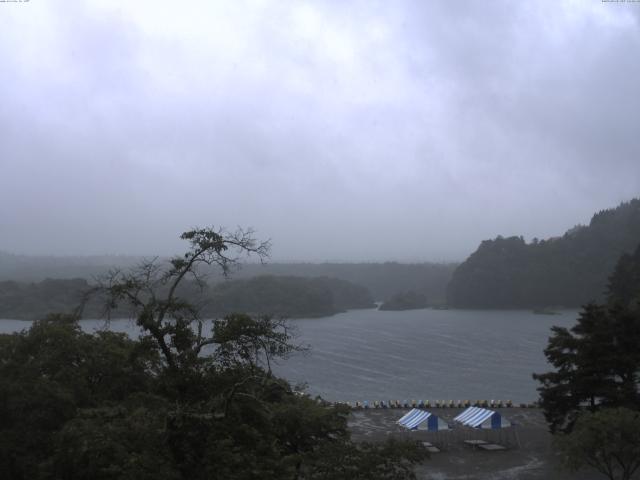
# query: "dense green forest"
597,360
565,271
405,301
287,296
183,401
30,301
273,295
381,279
591,396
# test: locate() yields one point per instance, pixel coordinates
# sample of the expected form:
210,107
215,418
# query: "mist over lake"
415,354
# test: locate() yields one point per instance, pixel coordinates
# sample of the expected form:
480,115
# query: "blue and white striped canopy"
477,417
416,418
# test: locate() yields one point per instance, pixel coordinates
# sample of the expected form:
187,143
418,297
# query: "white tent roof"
423,420
477,417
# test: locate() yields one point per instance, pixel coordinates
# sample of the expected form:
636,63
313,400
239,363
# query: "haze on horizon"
343,131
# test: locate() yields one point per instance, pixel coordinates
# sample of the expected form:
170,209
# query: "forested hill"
271,295
286,296
564,271
382,279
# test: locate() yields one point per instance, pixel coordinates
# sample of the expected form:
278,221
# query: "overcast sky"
343,131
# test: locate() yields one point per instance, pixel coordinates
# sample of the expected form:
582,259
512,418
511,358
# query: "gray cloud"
343,131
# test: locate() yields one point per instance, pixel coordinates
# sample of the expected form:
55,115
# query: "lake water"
417,354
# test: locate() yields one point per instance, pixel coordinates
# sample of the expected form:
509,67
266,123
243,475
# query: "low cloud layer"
341,130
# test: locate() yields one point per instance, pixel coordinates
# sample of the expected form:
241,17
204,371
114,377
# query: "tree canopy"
283,296
607,440
596,365
597,361
190,399
569,271
287,296
405,301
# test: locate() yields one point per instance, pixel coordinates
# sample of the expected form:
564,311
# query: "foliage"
31,301
188,400
405,301
607,440
568,271
286,296
392,460
597,362
50,373
244,340
274,295
624,283
381,279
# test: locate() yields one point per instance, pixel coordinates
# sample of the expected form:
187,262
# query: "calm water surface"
417,354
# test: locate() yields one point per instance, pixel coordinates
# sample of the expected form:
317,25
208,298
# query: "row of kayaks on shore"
436,404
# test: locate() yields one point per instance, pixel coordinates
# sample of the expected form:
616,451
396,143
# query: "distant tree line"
287,296
567,271
381,279
30,301
273,295
405,301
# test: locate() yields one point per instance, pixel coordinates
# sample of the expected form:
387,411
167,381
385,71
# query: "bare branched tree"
150,291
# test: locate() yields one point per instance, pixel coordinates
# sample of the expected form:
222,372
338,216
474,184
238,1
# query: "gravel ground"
529,454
